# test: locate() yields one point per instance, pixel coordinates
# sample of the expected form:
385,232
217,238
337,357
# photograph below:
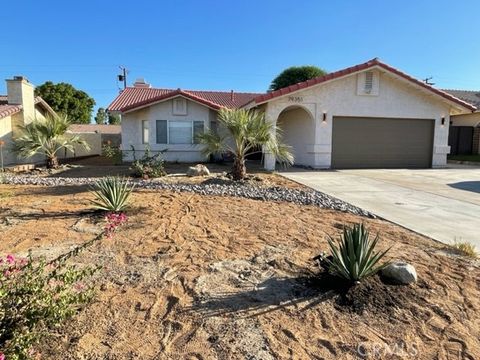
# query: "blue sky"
240,45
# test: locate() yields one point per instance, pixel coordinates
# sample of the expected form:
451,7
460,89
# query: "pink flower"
114,220
2,356
10,260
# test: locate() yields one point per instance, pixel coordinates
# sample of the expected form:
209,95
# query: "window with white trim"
178,131
145,131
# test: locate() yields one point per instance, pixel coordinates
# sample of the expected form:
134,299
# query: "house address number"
296,99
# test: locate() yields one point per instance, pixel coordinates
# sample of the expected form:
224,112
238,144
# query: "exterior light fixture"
443,121
324,117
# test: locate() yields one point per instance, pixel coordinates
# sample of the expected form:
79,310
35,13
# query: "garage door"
382,143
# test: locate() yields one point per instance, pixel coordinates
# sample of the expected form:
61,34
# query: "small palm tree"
47,137
247,132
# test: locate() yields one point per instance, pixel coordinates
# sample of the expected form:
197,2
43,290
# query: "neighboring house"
19,107
464,137
366,116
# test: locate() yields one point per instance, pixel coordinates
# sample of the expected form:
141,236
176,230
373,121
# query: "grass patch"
6,194
473,158
465,248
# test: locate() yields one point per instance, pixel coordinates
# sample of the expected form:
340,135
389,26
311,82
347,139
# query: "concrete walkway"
443,204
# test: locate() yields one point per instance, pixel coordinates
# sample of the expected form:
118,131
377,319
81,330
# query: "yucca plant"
111,194
354,257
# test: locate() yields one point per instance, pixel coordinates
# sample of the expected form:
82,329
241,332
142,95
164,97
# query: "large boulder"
198,170
399,273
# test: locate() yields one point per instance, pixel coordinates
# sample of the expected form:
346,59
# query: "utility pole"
123,76
427,81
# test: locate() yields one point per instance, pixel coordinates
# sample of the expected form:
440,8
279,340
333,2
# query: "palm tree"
247,132
47,137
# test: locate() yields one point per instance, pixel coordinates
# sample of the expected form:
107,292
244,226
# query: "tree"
66,100
47,137
248,131
101,117
295,74
114,119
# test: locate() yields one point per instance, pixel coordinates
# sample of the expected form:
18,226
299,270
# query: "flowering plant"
36,295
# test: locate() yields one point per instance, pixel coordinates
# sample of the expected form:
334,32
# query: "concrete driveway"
443,204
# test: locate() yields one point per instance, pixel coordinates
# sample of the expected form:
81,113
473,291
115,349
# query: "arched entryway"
298,130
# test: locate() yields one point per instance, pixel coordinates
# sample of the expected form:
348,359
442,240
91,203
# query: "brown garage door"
382,143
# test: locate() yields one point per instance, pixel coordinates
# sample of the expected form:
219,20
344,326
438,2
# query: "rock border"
243,190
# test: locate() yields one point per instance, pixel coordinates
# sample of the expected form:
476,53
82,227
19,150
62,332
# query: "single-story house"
369,115
19,107
464,134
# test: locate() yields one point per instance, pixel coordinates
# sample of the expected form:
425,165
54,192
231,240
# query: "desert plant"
148,166
249,132
354,257
112,152
36,296
46,137
465,248
111,194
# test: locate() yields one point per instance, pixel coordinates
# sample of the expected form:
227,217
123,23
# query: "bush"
149,166
111,194
465,248
36,296
354,257
112,152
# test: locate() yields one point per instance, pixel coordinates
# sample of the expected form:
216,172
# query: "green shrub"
112,152
36,296
111,194
149,166
354,257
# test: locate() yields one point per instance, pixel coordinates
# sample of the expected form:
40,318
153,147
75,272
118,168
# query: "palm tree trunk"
52,162
239,170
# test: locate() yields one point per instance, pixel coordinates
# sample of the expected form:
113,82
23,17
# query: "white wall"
472,119
132,131
339,97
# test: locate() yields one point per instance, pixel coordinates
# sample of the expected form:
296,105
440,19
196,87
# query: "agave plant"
111,194
354,257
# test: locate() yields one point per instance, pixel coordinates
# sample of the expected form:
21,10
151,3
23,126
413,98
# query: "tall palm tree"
247,132
47,137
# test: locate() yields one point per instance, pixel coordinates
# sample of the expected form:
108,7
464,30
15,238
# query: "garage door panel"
382,142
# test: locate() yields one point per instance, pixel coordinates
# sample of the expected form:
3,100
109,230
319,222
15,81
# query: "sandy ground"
192,277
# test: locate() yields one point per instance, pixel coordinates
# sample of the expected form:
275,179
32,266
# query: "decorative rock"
198,170
236,189
400,273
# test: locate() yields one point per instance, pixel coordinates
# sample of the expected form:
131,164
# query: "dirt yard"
192,277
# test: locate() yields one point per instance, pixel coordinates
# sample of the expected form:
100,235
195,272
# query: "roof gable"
7,109
135,97
374,63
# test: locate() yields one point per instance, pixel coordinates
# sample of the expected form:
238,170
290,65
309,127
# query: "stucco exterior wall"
340,97
94,140
472,119
132,131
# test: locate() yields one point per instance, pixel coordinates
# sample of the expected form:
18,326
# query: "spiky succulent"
353,257
111,194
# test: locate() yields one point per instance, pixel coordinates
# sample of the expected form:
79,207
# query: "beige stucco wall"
472,119
340,97
132,130
298,130
93,139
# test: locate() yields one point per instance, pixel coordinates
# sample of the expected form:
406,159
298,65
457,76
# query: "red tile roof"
369,64
101,129
134,97
7,109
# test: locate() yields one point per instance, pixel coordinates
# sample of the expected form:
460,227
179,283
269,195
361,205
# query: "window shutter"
368,82
162,132
145,131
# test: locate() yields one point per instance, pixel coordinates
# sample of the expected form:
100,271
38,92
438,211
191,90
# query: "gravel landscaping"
243,190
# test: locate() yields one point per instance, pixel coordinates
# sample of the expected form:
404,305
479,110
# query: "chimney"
232,95
20,92
141,83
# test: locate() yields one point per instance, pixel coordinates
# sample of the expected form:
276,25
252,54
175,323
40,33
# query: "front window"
178,132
